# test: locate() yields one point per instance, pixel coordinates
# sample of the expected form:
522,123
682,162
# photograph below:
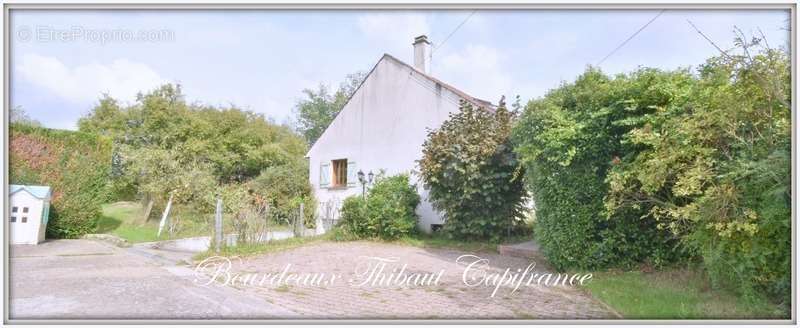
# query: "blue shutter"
352,177
324,174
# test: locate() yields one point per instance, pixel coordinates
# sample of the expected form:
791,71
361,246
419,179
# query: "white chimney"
422,54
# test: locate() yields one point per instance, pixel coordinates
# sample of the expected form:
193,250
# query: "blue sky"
261,60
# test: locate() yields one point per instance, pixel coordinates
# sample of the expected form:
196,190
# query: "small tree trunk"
164,216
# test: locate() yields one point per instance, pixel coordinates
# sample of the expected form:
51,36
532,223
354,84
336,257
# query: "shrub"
75,165
282,189
386,213
718,171
568,141
472,173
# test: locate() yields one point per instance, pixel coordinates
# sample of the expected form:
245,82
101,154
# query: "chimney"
422,53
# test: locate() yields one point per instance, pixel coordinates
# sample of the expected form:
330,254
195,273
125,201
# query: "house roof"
463,95
41,192
475,101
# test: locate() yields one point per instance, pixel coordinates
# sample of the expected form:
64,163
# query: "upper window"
24,210
339,173
14,209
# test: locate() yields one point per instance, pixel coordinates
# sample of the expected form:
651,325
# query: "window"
13,219
24,219
14,209
24,210
339,173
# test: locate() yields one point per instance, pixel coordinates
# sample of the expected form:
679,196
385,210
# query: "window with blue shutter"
324,174
352,179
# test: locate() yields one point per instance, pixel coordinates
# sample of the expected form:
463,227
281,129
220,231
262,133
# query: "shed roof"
41,192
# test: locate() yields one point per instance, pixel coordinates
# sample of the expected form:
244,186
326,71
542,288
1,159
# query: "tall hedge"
75,165
568,141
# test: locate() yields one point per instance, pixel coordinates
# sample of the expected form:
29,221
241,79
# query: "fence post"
302,222
218,224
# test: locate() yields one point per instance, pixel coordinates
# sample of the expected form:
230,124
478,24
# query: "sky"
63,61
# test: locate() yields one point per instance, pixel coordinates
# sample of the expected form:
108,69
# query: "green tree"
317,111
472,173
164,146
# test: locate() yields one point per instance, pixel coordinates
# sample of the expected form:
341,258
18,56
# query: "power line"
454,31
631,37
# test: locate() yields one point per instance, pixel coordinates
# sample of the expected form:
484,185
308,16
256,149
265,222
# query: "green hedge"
568,142
75,165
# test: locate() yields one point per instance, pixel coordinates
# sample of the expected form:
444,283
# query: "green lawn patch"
675,294
123,219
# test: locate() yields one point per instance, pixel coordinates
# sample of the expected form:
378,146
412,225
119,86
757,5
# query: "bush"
472,173
718,172
568,141
386,213
283,188
75,165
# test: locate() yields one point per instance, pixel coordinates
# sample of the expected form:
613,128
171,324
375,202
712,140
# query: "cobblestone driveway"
451,298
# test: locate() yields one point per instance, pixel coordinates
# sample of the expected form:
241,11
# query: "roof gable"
463,95
41,192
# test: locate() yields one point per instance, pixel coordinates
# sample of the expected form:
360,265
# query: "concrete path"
86,279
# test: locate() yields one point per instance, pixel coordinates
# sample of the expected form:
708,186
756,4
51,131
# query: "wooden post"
148,203
165,215
218,224
302,222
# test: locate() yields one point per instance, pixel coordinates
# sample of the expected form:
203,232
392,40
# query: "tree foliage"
317,111
653,166
568,141
716,171
472,173
19,116
163,146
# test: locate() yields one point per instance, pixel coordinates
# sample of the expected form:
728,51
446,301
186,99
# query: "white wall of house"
26,228
382,127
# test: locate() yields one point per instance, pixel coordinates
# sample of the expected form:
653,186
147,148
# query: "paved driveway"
451,298
86,279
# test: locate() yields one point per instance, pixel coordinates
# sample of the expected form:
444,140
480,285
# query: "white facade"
28,214
382,127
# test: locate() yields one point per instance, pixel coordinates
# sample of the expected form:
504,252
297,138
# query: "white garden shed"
28,213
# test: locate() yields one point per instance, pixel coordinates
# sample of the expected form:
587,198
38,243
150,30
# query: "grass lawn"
120,219
123,219
675,294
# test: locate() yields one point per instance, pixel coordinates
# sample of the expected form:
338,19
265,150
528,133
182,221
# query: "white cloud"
122,78
479,70
397,29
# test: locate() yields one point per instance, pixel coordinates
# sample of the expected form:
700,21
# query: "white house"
30,208
382,127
